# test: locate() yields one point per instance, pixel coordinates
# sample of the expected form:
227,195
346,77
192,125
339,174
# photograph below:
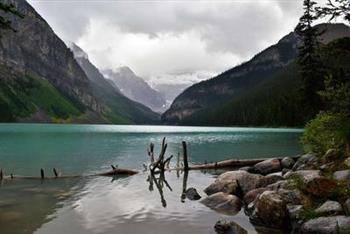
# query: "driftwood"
230,163
115,171
184,147
118,171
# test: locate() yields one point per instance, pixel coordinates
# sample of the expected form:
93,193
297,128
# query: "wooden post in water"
55,172
178,160
42,173
184,146
1,175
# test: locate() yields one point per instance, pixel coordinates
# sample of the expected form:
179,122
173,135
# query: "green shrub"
326,131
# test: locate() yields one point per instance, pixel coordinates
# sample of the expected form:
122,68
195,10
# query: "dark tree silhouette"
335,9
309,59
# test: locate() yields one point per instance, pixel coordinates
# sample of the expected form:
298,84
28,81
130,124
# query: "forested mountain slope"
40,80
262,91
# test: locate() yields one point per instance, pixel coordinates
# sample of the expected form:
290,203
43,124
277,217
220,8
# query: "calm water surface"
119,205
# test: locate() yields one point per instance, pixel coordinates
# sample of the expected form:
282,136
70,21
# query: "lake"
125,204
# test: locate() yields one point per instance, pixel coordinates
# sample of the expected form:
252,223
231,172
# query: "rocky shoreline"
307,195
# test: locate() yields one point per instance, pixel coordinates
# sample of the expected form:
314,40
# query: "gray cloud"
163,38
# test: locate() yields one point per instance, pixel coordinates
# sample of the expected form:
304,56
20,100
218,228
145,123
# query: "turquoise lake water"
119,205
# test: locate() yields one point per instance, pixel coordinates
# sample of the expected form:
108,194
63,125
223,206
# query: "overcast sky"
171,41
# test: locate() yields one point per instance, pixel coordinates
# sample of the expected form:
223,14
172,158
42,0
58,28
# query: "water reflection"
27,205
159,182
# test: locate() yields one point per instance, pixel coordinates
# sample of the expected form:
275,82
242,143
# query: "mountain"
117,106
136,88
169,91
262,91
40,80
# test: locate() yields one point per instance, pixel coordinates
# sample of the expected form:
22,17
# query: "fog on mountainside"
136,88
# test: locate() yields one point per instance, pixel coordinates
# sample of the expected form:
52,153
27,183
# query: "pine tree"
309,59
335,9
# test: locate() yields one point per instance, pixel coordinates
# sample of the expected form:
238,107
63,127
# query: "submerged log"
230,163
113,172
118,171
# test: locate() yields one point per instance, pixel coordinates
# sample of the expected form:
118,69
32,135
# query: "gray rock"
246,181
347,206
267,180
295,212
302,174
247,169
285,171
324,167
312,182
287,163
270,210
327,225
223,203
229,186
332,155
192,194
268,166
330,208
306,161
253,194
225,227
278,185
293,197
343,176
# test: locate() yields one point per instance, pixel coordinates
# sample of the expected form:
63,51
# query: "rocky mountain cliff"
35,49
136,88
117,106
266,69
40,79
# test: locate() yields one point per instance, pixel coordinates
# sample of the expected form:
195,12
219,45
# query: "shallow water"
119,205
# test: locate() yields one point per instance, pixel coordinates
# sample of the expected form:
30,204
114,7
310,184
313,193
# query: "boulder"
347,206
246,181
229,186
343,176
295,212
312,182
285,171
347,162
302,173
268,166
319,186
267,180
306,161
332,155
287,163
252,194
327,225
192,194
225,227
223,203
329,208
278,185
293,197
248,169
270,210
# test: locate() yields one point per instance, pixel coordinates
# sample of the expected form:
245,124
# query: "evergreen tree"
309,59
335,9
